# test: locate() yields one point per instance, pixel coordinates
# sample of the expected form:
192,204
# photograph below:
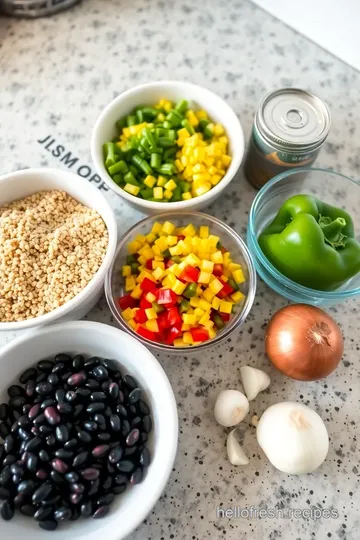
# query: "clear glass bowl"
114,282
328,186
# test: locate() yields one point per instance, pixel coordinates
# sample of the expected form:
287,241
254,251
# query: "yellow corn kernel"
179,342
178,287
187,174
206,266
215,286
132,324
161,243
238,276
198,312
133,190
204,188
204,304
161,181
204,319
201,177
130,283
176,250
212,332
192,259
204,277
199,168
200,114
183,133
226,160
218,129
215,304
187,196
150,297
158,264
184,161
126,270
194,301
225,307
189,319
208,295
151,313
185,327
136,293
187,338
127,314
199,154
179,165
158,273
158,193
156,228
237,297
217,257
152,325
190,115
168,227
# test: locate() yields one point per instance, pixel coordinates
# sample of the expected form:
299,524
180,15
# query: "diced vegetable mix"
167,153
181,285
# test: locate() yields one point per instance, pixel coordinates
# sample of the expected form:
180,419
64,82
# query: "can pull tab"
294,119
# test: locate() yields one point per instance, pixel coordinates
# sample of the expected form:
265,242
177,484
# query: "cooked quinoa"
51,246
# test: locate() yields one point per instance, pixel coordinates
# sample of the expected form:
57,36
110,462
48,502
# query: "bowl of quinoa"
57,239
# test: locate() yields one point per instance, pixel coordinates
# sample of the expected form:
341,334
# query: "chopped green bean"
120,124
174,118
135,267
109,154
130,179
119,167
203,123
139,116
118,179
207,133
165,142
176,194
134,170
150,137
186,124
146,193
184,186
167,125
155,161
166,168
170,152
182,106
130,120
142,164
150,112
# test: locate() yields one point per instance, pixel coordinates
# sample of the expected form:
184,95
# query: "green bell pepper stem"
332,230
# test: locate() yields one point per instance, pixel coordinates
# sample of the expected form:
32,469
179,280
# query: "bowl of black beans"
88,433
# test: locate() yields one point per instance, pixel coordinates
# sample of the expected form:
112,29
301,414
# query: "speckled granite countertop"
56,75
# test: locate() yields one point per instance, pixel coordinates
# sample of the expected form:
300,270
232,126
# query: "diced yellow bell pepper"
215,304
178,287
156,250
234,266
158,273
189,230
208,295
204,304
145,274
172,279
150,297
156,228
187,196
207,266
179,342
225,307
187,338
194,301
171,240
198,312
174,269
130,283
224,278
237,297
208,324
204,277
166,283
192,259
189,319
212,332
127,314
168,227
126,270
238,276
185,327
161,243
217,257
151,313
176,250
158,264
136,293
152,325
132,324
213,240
133,247
150,238
168,194
204,231
215,286
204,319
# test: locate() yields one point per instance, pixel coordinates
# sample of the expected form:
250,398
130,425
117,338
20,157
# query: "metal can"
290,126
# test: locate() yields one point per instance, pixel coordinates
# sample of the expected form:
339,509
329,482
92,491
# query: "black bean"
130,451
130,382
147,424
7,510
40,378
4,494
44,456
78,362
71,396
111,365
136,476
115,454
122,411
60,395
54,499
115,422
119,489
114,391
75,513
125,429
72,477
51,440
75,498
9,443
44,388
92,384
91,363
45,365
59,466
40,419
30,388
9,460
45,430
33,445
101,451
4,411
42,474
56,477
132,410
145,457
15,390
4,430
53,379
71,444
64,454
125,465
24,421
43,512
101,512
134,396
17,402
2,452
98,396
34,411
90,426
77,379
59,368
121,397
62,433
90,473
94,487
64,376
15,468
100,373
62,358
49,525
83,392
25,410
78,409
111,468
52,416
104,437
84,436
26,487
5,475
28,510
62,513
65,408
107,483
23,434
100,420
105,385
86,509
81,459
77,488
29,373
95,407
105,499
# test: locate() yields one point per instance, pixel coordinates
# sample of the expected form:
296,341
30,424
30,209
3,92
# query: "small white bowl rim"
172,433
180,205
100,274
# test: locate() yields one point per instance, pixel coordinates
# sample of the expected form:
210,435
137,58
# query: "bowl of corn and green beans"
167,145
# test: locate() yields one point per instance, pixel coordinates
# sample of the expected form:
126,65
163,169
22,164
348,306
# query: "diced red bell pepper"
148,264
226,290
172,334
199,334
218,269
127,301
162,320
225,316
147,285
168,263
140,316
180,237
166,297
190,274
174,317
223,250
145,333
144,304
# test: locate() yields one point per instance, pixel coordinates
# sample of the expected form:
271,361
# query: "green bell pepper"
312,243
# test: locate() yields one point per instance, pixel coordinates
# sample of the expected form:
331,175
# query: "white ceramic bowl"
95,339
148,94
23,183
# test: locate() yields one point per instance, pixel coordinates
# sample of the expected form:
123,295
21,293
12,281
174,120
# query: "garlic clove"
231,407
254,381
235,453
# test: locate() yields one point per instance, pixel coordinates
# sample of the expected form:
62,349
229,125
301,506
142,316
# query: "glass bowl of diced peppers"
181,280
167,145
